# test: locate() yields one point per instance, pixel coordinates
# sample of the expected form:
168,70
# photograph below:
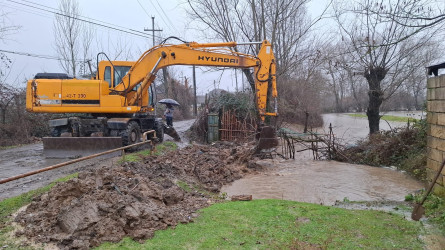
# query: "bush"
403,148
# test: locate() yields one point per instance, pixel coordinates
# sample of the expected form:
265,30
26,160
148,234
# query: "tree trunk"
3,110
374,76
166,86
250,79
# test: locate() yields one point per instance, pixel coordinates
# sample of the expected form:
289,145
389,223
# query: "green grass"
277,224
10,205
434,208
159,150
390,118
9,147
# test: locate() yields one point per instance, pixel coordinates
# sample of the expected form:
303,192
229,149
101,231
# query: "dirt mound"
133,199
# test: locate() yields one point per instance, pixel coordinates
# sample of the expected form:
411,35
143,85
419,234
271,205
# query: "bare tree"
6,26
381,50
7,93
72,37
285,23
416,82
416,14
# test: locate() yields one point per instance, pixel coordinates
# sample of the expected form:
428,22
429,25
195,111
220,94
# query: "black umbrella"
169,101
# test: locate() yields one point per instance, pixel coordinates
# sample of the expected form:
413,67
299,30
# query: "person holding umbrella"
168,114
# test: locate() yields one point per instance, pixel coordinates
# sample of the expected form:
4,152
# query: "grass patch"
278,224
9,147
390,118
10,205
159,150
184,186
434,209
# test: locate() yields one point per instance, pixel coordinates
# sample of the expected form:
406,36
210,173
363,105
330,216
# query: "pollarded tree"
380,49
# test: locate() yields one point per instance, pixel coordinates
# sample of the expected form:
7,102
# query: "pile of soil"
134,199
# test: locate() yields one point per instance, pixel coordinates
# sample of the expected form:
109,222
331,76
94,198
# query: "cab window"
120,72
107,76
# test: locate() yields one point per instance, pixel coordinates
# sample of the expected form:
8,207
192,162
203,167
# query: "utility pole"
236,80
153,35
195,103
164,71
152,29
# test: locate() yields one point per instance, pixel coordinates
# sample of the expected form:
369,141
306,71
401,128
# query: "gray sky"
36,35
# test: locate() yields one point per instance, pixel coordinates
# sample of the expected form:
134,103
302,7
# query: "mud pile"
133,199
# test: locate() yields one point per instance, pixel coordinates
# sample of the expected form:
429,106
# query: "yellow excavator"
119,99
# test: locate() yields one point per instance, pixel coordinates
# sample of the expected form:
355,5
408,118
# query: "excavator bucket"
75,147
267,139
171,132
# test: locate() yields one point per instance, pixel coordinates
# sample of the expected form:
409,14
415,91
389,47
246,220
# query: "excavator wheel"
57,131
132,134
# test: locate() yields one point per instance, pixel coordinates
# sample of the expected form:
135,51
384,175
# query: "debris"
242,197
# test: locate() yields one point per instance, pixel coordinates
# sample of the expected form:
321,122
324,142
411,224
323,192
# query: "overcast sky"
36,34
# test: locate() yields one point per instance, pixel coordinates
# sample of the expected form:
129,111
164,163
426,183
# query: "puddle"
324,182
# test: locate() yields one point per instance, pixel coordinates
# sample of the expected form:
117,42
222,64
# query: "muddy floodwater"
324,182
351,129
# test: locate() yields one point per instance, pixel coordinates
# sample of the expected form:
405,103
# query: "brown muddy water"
324,182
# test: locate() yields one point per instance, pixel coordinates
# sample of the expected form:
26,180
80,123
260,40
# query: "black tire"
57,131
159,128
132,134
54,132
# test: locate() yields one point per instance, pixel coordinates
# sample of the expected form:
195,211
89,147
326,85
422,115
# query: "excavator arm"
143,72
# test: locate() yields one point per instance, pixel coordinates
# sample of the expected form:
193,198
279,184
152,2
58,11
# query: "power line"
26,10
157,10
131,31
143,8
142,33
174,27
37,56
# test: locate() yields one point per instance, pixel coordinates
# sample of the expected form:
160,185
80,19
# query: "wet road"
16,161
